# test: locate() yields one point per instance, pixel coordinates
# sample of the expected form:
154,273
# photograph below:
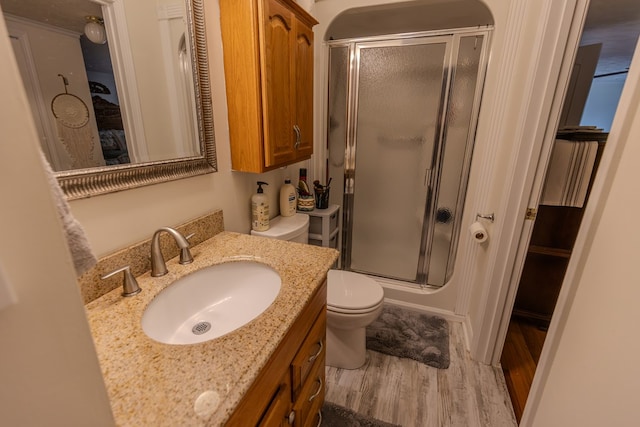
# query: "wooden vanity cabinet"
289,391
268,61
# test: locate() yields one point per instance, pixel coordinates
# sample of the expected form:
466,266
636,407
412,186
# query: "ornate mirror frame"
85,183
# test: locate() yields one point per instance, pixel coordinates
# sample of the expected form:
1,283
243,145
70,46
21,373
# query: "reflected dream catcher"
72,117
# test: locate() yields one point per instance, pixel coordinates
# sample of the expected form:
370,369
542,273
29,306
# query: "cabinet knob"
292,417
296,129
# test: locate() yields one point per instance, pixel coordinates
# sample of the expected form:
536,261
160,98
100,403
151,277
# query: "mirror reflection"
107,87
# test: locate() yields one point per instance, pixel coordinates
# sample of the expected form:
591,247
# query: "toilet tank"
292,228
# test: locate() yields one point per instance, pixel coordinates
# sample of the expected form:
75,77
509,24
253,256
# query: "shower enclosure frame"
432,176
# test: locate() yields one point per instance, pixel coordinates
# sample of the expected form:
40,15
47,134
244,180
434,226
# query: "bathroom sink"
211,302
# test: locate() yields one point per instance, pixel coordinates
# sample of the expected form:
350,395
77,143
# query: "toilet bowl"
353,300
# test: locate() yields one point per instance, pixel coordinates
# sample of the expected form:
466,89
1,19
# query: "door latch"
531,214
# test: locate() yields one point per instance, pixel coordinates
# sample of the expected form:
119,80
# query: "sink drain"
200,328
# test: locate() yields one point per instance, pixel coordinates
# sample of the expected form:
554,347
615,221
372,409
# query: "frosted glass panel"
458,141
337,120
398,105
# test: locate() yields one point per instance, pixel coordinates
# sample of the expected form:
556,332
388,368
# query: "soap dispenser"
260,209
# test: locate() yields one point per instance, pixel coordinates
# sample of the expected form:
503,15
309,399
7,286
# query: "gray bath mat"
337,416
405,333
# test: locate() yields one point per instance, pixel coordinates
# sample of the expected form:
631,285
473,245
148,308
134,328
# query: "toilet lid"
352,291
285,227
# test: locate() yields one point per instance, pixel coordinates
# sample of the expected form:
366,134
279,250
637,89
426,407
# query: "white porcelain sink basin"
211,302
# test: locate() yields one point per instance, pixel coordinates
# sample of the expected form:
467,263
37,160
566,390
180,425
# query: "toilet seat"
348,311
352,293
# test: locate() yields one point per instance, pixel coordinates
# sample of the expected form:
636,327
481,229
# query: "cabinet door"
278,72
303,81
277,414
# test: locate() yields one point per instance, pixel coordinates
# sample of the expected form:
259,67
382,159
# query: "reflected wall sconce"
94,30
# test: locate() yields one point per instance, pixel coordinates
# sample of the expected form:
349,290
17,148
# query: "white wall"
592,375
49,373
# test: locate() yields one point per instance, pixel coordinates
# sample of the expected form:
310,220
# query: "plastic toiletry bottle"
287,199
260,209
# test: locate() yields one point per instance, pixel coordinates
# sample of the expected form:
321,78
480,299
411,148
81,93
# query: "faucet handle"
129,283
185,253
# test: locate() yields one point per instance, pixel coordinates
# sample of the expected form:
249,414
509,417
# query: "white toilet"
353,300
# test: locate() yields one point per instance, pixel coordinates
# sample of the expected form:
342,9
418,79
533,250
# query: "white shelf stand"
325,226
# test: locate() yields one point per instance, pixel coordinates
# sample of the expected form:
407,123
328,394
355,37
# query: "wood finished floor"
519,360
412,394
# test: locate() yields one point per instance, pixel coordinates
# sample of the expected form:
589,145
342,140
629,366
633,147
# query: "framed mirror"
119,89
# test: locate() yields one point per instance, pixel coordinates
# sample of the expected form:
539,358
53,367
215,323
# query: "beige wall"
48,367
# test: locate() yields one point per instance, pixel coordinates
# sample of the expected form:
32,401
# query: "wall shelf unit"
554,234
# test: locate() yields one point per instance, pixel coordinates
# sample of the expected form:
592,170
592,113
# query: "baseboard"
449,315
467,331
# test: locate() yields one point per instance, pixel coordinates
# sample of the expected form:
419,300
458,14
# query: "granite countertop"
155,384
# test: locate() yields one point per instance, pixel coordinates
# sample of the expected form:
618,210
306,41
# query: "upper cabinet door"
278,72
303,92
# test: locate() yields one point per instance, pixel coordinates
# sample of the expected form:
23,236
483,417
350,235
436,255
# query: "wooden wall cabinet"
289,391
268,62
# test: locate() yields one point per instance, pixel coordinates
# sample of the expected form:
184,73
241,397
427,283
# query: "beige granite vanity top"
155,384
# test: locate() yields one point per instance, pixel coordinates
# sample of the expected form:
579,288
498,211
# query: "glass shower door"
397,123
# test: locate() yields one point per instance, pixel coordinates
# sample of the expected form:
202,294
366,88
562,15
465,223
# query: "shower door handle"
427,178
296,129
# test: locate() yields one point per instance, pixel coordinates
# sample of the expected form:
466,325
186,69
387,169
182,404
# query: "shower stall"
402,114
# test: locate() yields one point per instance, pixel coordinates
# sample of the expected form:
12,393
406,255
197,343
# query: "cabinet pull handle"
319,418
314,395
296,129
315,356
292,417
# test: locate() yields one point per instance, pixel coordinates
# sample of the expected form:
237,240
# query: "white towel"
83,257
569,173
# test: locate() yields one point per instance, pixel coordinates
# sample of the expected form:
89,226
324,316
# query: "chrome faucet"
158,265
